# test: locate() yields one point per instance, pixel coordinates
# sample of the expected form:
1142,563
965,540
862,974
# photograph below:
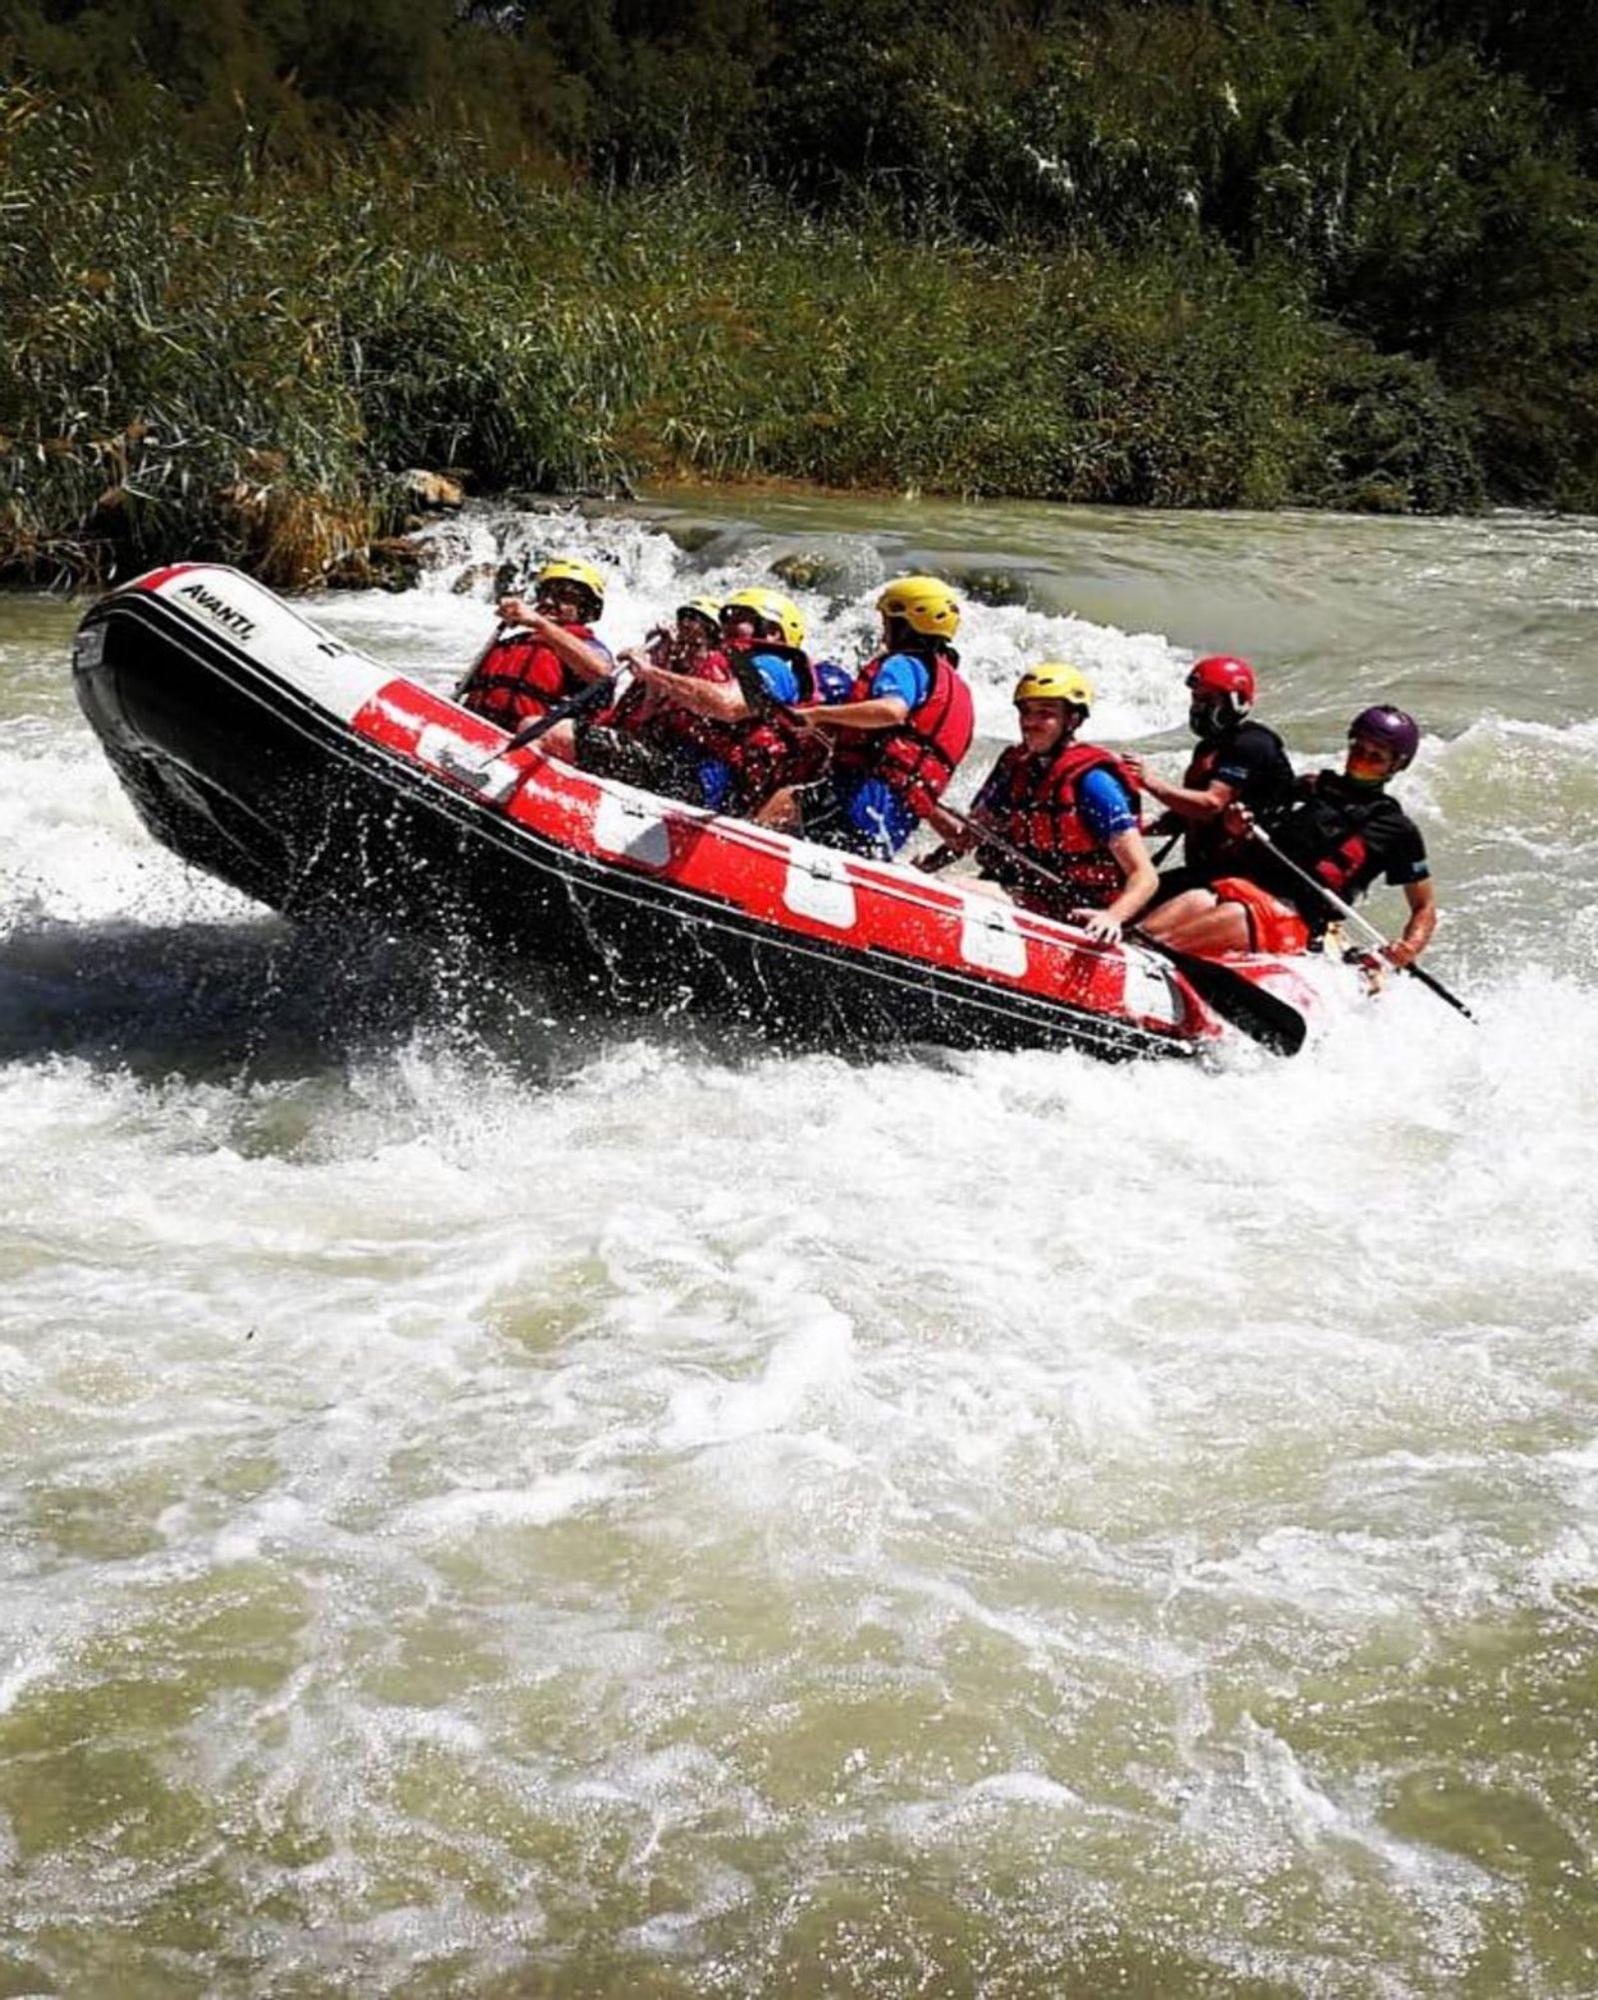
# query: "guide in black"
1339,829
1237,762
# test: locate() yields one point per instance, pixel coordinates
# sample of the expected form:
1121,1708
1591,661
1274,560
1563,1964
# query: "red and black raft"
315,780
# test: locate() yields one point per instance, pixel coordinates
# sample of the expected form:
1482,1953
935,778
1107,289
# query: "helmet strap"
1204,718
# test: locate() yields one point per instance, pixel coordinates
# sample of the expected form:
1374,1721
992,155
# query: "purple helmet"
1391,726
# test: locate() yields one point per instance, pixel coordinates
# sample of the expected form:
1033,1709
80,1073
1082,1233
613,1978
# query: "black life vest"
520,678
919,756
1267,788
1037,806
1330,829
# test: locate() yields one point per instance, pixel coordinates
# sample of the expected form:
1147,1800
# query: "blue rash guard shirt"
779,680
1106,807
879,820
904,675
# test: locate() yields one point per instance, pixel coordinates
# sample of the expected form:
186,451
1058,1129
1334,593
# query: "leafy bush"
238,358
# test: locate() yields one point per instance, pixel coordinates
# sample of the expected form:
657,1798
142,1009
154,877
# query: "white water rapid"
521,1506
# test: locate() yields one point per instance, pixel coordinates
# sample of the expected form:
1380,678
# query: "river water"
505,1505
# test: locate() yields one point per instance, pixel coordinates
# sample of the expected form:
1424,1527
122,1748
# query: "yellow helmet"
702,607
925,603
1055,681
566,569
774,609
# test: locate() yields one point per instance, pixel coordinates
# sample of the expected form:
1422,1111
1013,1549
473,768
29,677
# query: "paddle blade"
1253,1011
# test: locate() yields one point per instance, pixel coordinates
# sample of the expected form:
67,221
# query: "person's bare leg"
781,811
1210,931
561,742
1166,919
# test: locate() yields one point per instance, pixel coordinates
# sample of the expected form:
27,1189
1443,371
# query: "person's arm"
1190,805
586,660
1192,808
956,828
1140,882
886,711
950,829
639,703
1111,817
961,831
722,701
897,685
1417,932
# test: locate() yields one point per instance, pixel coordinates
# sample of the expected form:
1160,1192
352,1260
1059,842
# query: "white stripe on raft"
817,885
1150,992
990,936
626,826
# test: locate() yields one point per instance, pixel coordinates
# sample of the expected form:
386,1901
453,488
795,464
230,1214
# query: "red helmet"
1222,687
1221,673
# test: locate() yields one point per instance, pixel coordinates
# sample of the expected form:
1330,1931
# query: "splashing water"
503,1502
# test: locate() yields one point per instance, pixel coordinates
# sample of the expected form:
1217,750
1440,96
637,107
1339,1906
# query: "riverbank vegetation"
1242,253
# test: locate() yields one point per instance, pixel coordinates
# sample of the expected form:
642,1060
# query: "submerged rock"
435,490
803,572
392,563
479,579
994,586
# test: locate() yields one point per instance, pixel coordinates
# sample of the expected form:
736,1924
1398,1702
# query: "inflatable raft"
323,784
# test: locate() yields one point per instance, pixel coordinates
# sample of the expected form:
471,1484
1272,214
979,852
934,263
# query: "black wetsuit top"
1251,760
1347,834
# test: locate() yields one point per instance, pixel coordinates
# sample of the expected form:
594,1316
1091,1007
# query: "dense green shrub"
240,360
1418,176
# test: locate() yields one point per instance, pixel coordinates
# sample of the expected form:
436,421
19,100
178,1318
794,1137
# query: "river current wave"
497,1501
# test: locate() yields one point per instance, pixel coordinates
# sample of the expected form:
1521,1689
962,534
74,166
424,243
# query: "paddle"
595,695
479,772
1273,1023
466,679
1249,1008
1350,915
939,859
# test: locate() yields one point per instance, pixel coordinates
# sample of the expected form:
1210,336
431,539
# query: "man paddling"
897,736
1064,810
544,653
1339,827
647,739
751,742
1237,761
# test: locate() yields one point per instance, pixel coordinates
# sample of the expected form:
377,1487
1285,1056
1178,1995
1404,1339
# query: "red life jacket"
919,756
1036,806
520,678
765,751
669,723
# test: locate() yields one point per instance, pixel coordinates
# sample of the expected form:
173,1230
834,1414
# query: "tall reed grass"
239,362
